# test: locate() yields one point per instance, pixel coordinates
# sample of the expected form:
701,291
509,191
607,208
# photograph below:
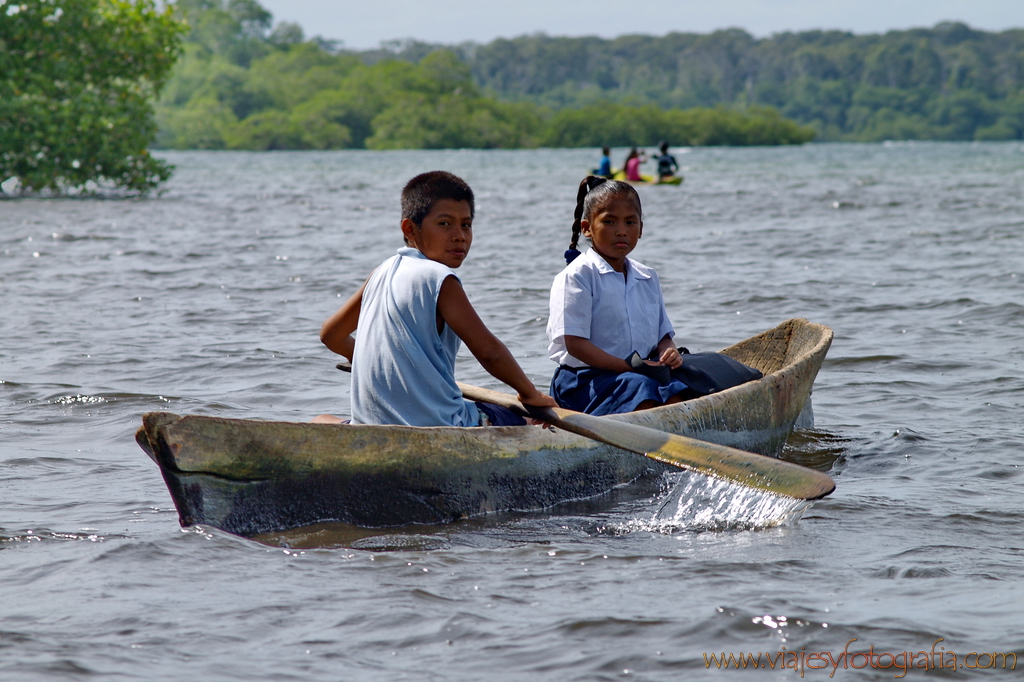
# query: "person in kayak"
667,165
412,313
604,169
607,313
633,161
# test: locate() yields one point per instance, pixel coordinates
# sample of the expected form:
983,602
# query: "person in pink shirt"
633,162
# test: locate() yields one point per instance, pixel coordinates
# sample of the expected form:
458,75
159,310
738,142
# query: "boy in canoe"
412,313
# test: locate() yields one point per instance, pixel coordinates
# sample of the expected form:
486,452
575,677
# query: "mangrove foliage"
77,81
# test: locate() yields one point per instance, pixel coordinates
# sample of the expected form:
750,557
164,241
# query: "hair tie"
571,255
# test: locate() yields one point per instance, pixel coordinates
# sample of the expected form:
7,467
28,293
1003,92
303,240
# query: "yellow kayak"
650,179
618,174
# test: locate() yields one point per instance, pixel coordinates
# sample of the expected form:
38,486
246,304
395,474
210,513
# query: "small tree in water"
77,78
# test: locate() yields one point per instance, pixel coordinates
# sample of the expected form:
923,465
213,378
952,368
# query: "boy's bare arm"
336,332
458,313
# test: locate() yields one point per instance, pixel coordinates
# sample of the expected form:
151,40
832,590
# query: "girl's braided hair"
593,192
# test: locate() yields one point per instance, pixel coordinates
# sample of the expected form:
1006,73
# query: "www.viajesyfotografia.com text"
900,663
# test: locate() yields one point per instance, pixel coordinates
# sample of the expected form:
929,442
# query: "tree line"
245,84
950,82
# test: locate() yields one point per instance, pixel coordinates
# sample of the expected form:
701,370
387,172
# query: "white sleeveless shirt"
403,371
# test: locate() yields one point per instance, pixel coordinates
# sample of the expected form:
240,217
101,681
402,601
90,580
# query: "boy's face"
445,234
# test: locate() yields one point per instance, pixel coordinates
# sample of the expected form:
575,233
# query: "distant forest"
949,82
245,83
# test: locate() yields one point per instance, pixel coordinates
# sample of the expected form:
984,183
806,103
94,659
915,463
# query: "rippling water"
207,300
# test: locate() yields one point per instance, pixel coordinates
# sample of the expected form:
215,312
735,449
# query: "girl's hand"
672,358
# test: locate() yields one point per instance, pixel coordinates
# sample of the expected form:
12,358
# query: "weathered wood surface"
250,476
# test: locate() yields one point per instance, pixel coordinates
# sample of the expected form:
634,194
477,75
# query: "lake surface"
208,299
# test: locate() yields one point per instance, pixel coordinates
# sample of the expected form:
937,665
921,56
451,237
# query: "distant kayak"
645,179
650,179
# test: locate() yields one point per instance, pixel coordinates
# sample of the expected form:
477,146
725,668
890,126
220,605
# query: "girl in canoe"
607,312
412,314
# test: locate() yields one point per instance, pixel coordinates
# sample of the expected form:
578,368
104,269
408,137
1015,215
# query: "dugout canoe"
248,476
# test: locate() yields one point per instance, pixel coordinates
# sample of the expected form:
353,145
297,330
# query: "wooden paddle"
738,466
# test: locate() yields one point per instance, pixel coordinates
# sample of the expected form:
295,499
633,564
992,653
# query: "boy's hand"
538,400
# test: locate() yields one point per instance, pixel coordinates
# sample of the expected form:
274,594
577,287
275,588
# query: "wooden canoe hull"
250,476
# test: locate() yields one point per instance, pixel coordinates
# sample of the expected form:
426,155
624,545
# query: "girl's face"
614,228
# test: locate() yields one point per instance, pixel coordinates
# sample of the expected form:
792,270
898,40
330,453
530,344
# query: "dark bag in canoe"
708,373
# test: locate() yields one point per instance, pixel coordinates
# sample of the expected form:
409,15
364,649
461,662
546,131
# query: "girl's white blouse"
618,314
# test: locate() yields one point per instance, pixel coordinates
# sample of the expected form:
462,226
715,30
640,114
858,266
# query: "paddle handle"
486,395
508,401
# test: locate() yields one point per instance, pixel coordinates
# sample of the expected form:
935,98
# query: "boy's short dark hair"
426,189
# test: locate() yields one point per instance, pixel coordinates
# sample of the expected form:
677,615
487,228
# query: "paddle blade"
745,468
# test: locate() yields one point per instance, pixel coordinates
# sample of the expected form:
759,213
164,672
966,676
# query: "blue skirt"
598,391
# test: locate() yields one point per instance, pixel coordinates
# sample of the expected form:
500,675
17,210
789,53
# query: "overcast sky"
367,23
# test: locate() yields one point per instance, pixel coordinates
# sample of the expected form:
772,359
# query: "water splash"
79,399
696,502
45,535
